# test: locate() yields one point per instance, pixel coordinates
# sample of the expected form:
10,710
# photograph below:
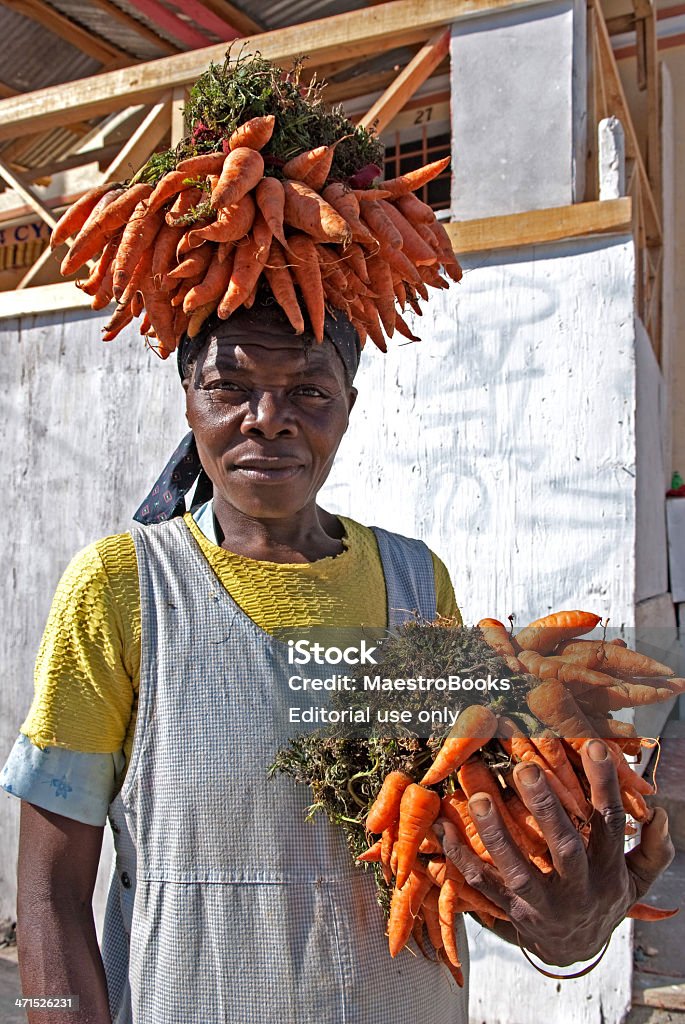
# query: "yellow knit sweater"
88,666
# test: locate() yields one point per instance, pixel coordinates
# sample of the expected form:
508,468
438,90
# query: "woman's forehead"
268,349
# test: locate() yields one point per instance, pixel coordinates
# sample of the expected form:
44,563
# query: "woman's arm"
58,949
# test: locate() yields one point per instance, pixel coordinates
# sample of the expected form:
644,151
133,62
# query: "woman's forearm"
59,956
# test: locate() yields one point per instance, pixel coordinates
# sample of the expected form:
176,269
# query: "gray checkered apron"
225,906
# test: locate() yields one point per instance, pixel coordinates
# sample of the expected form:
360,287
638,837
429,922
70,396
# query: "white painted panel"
675,512
515,143
652,559
506,439
86,428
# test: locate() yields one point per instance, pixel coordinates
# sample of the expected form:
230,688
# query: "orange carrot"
194,265
555,707
380,225
242,170
248,264
419,808
253,134
372,325
388,840
185,201
281,284
91,238
369,194
307,211
400,921
139,235
381,283
343,200
606,657
355,257
386,807
544,634
211,288
475,726
431,917
415,210
523,749
402,328
198,318
120,318
568,672
202,165
456,972
92,284
524,819
164,256
448,260
420,884
270,199
300,166
73,218
305,266
412,243
643,912
625,695
440,869
495,635
167,187
372,855
233,224
431,844
449,894
414,180
455,808
141,271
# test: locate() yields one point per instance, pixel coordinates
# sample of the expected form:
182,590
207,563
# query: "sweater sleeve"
86,674
446,602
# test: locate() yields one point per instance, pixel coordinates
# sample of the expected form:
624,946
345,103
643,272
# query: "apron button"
125,880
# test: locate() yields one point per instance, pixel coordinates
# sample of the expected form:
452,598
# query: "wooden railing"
643,169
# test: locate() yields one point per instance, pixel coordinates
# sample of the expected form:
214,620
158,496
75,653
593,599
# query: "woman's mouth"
274,470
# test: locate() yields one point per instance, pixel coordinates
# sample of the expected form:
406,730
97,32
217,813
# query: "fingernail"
597,751
661,823
528,774
480,806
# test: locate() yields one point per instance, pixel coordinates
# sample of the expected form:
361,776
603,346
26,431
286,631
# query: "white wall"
86,428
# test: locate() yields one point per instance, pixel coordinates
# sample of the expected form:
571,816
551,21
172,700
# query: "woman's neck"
311,535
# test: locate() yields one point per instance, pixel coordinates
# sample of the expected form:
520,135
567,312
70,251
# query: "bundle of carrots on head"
387,791
269,190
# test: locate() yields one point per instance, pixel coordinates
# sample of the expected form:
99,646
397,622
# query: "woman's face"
267,416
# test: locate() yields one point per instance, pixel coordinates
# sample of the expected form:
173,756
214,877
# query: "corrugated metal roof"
35,57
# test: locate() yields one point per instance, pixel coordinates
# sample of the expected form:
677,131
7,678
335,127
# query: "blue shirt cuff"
69,782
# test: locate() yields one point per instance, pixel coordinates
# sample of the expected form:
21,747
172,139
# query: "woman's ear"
352,399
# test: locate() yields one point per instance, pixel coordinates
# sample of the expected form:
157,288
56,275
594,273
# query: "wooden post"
407,82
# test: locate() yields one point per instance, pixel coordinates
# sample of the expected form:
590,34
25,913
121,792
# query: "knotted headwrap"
168,496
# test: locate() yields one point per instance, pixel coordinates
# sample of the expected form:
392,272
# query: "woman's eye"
310,391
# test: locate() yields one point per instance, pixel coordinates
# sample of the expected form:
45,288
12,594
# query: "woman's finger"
607,833
477,873
653,855
564,842
520,877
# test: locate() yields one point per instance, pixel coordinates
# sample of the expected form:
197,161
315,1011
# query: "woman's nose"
269,414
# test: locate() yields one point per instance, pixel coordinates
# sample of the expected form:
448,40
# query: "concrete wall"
518,109
86,428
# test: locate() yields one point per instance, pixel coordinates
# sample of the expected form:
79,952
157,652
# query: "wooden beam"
36,267
653,160
178,101
398,23
94,46
617,104
22,187
234,16
408,81
621,24
133,25
141,144
46,298
536,227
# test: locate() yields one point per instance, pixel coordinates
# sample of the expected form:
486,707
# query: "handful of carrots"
574,686
220,225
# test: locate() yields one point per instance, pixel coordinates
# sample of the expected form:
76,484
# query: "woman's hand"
568,915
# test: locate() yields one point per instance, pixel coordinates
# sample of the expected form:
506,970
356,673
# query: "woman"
225,905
